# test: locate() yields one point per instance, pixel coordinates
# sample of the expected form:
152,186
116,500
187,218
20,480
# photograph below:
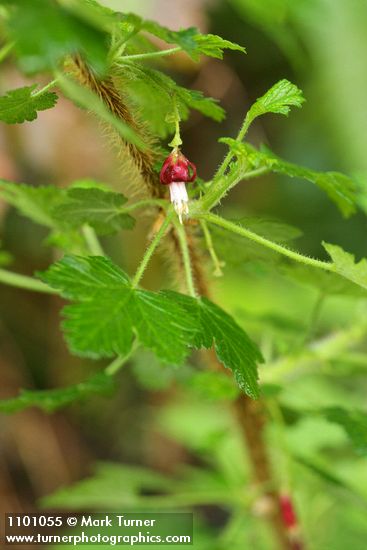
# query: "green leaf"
51,400
233,347
22,104
346,266
112,486
213,45
340,188
328,283
35,203
45,32
231,249
270,228
109,313
190,40
353,422
103,210
39,204
154,91
279,99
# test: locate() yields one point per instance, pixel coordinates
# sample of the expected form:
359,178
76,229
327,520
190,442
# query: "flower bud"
176,171
177,167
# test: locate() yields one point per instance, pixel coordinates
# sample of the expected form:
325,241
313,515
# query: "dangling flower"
176,171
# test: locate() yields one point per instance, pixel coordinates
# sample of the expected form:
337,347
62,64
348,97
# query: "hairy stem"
241,134
151,55
239,230
251,416
186,258
221,185
151,249
256,443
210,245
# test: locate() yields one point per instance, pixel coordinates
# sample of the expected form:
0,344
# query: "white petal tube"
179,198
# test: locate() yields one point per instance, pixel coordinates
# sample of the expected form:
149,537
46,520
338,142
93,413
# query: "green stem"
92,241
151,55
186,258
241,134
118,47
210,245
230,226
221,186
120,361
25,282
5,50
150,250
43,90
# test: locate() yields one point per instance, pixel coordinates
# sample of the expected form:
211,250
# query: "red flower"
288,512
176,171
177,168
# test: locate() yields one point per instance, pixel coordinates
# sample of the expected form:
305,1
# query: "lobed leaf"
190,40
153,92
279,99
22,104
327,282
233,347
346,266
109,313
52,400
213,45
340,188
103,210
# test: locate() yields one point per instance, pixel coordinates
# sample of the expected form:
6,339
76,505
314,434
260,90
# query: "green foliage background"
165,430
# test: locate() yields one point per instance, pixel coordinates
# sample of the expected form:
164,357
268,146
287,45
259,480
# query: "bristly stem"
234,228
210,246
151,248
92,241
181,233
222,185
151,55
240,136
25,282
